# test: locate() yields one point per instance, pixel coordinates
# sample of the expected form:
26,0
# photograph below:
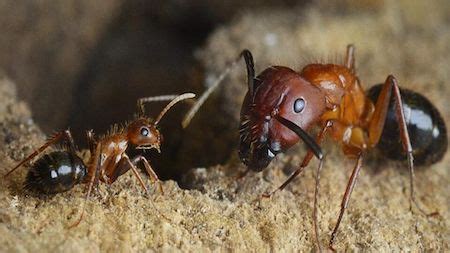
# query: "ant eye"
299,105
145,131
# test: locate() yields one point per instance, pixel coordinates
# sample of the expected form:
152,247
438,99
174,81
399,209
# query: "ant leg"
126,164
95,166
315,209
51,141
377,124
348,191
242,174
350,57
250,81
305,161
121,168
136,173
149,170
132,165
91,144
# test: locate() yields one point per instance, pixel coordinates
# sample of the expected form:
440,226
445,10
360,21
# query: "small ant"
61,170
281,104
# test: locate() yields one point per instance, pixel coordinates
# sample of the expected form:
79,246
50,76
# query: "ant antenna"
309,141
177,99
250,80
141,101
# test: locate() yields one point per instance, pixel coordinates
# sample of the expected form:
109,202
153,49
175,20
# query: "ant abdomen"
425,125
56,172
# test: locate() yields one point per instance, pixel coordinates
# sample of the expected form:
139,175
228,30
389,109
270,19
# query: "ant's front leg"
376,126
306,160
149,170
319,138
346,198
63,135
126,164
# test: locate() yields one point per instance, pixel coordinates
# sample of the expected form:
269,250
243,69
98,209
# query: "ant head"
278,92
143,134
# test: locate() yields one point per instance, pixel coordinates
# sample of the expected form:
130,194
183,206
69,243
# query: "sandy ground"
219,213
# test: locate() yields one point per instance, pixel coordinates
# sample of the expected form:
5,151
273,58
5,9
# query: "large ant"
61,170
281,104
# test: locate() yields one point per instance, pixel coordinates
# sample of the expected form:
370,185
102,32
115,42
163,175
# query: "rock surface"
215,212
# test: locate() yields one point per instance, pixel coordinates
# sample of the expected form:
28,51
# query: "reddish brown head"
143,134
277,92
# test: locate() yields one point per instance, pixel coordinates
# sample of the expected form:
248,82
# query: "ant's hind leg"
50,141
376,126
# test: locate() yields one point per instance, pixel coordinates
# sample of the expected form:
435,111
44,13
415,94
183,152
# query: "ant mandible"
61,170
281,104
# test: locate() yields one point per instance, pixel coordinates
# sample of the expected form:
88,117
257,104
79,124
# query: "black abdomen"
425,125
56,172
